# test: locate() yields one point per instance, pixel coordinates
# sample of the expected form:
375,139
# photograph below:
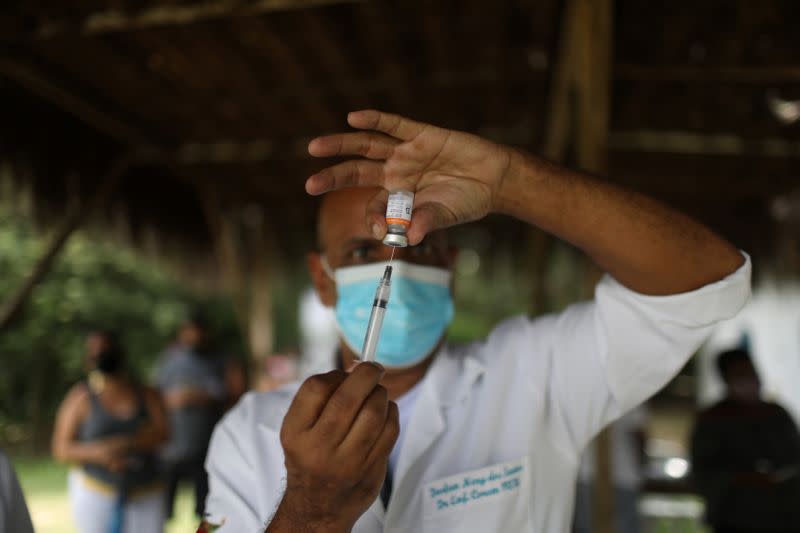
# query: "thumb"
375,215
427,218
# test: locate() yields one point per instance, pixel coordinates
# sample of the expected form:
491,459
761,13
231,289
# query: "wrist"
290,517
516,182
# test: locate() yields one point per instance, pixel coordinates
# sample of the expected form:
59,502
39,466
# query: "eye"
362,254
423,249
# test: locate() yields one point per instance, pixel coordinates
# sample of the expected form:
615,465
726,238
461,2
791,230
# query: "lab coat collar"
448,382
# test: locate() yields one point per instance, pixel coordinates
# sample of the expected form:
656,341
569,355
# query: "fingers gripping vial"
376,316
398,218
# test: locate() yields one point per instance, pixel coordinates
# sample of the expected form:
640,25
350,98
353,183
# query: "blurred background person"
319,335
198,384
14,516
628,440
277,370
745,456
110,427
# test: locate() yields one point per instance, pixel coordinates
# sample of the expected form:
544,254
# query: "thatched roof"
232,90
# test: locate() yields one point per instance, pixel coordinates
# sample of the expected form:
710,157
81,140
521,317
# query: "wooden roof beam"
230,151
254,151
292,65
684,142
755,75
385,52
333,59
36,81
116,20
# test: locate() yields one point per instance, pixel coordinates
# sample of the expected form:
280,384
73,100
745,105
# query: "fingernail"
376,231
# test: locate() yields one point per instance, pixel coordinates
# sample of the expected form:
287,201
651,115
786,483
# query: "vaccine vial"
398,218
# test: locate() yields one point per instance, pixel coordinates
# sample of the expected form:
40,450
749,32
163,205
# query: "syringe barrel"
373,334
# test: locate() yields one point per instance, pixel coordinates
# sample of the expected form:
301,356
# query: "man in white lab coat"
484,437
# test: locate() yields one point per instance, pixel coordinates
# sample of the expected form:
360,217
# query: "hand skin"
458,177
336,436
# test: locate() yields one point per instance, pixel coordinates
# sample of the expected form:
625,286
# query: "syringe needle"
392,256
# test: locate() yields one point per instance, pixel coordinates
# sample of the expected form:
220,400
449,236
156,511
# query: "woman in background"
110,427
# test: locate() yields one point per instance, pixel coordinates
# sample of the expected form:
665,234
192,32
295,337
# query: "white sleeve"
611,354
246,473
230,501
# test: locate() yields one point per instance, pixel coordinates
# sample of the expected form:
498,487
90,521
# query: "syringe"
376,316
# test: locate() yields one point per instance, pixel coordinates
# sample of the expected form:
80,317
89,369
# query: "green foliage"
92,284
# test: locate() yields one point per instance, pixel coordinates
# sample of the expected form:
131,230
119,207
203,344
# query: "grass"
45,485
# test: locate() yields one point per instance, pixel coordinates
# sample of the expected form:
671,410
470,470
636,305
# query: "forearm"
186,397
78,452
645,245
148,439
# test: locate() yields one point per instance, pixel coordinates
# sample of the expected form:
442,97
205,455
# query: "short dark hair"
108,334
727,359
196,318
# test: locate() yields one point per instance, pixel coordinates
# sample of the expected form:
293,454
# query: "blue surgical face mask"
419,311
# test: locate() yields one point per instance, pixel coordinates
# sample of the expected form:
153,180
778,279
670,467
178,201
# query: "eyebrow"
360,242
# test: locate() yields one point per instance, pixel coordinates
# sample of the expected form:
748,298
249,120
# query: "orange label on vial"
398,209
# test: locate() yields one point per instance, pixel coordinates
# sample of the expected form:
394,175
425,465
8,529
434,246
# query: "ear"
323,284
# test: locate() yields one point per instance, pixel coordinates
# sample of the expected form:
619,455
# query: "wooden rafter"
683,142
116,20
386,54
36,81
270,47
755,75
232,151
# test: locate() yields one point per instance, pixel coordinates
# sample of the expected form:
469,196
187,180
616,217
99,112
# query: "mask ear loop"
326,267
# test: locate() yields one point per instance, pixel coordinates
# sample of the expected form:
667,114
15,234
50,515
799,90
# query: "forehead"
342,217
95,337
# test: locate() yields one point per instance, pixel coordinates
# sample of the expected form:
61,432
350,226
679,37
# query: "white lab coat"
494,440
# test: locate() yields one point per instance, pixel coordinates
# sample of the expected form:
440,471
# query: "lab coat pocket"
494,498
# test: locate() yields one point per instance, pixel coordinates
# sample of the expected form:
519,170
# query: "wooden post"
245,247
539,247
227,249
593,53
579,102
261,251
75,217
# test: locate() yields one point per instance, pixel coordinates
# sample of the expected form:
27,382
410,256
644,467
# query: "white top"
319,337
495,439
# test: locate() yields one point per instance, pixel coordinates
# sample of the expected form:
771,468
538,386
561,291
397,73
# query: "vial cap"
396,240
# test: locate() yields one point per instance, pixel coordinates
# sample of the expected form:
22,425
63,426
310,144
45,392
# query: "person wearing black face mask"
110,427
746,456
